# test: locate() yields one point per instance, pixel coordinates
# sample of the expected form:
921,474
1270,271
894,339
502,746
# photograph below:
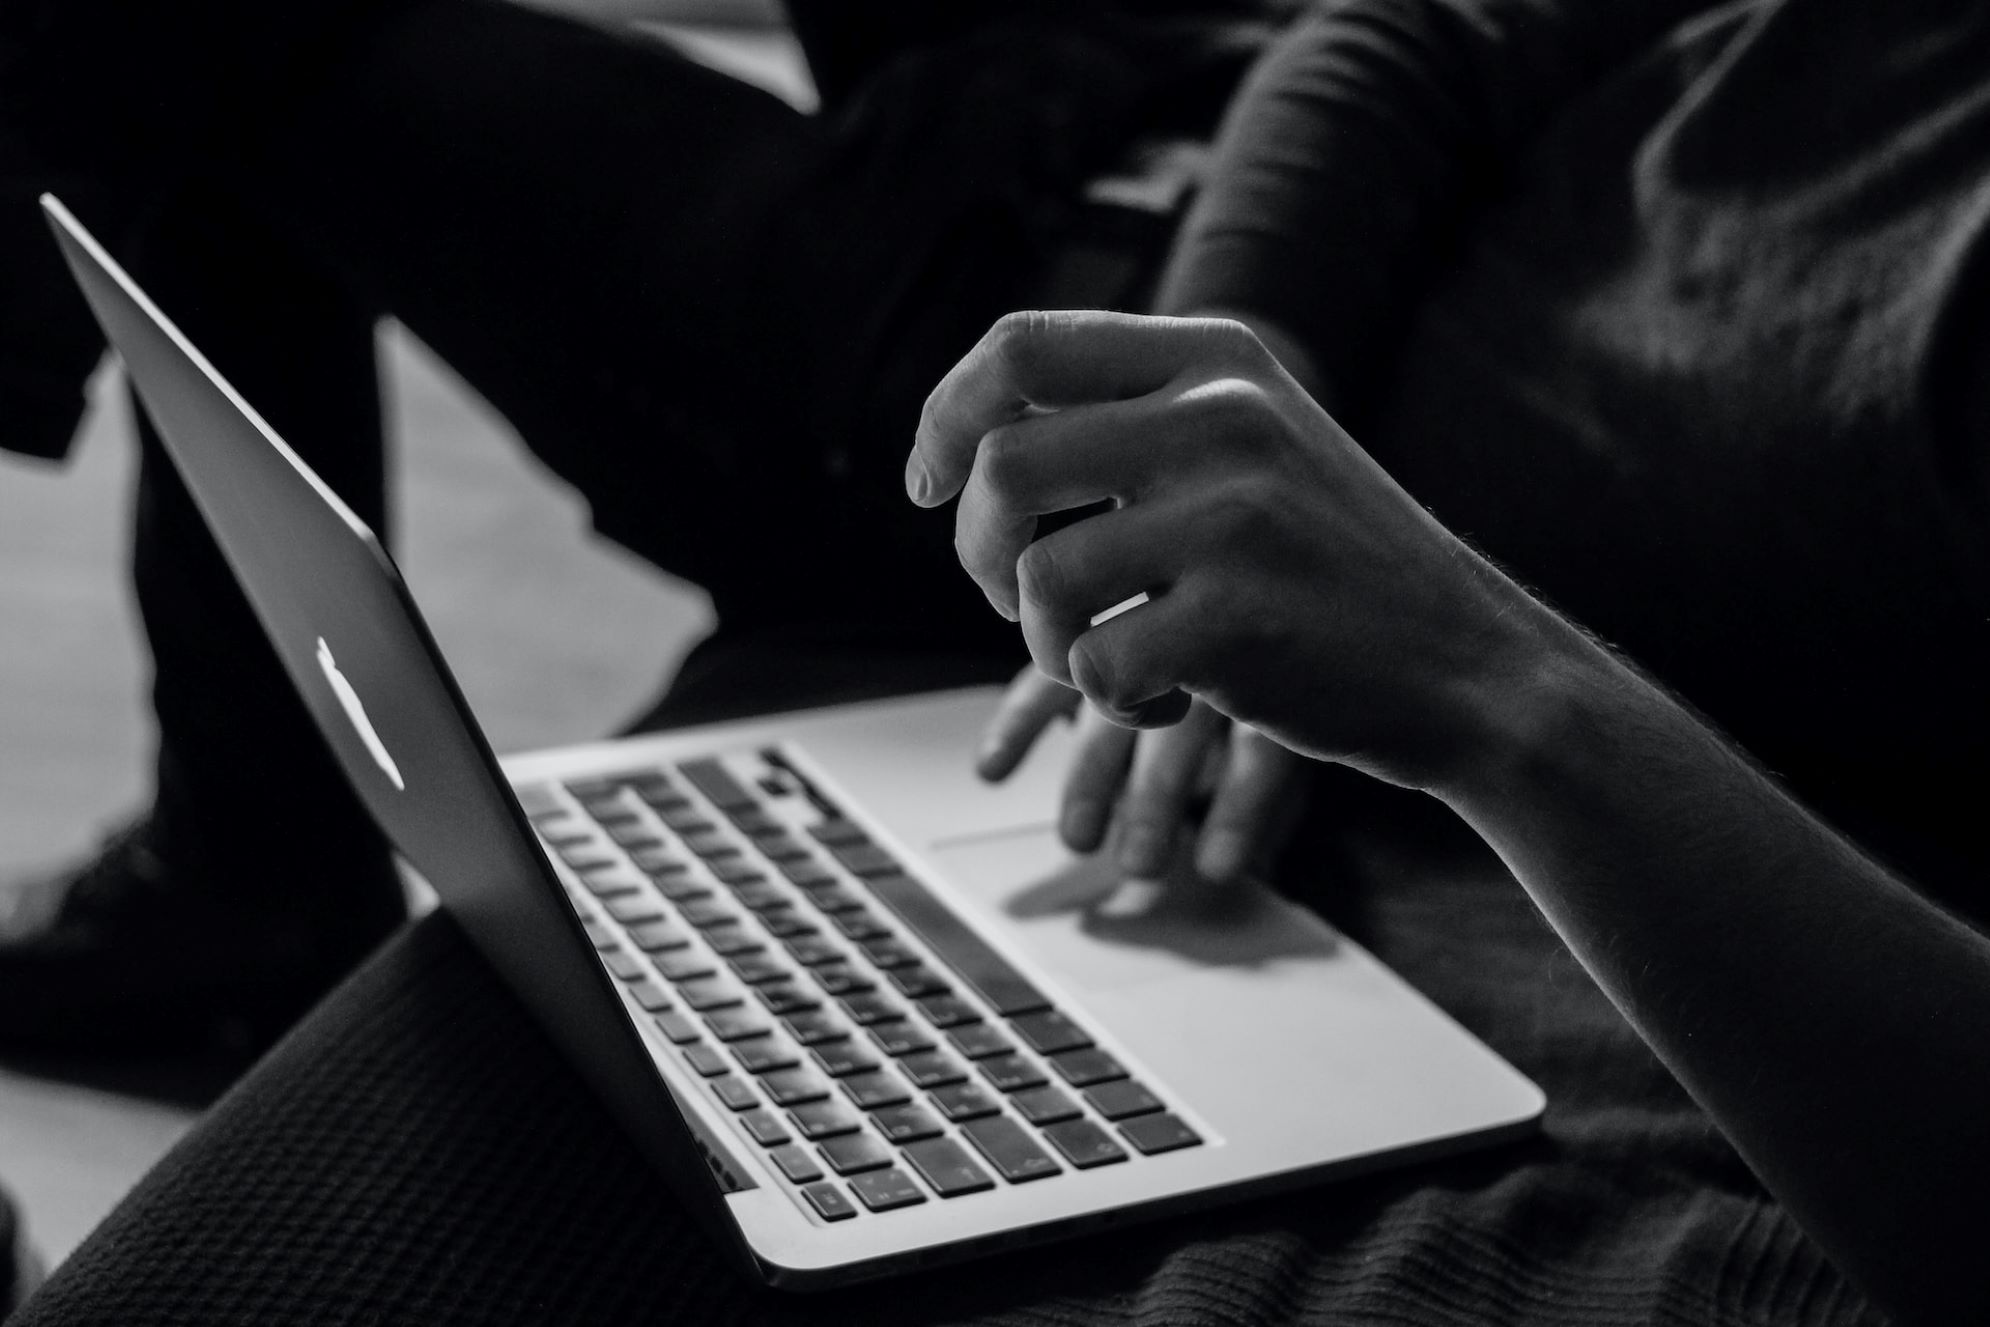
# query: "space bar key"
971,958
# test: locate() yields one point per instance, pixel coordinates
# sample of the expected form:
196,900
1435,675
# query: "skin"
1828,1017
1222,790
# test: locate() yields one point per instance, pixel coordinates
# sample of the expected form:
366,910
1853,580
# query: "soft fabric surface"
418,1152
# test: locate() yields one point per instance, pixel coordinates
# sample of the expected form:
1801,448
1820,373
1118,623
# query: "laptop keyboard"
880,1052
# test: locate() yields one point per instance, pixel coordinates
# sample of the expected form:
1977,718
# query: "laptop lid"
348,634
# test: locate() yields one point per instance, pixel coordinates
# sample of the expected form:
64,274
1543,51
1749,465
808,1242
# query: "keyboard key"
759,895
704,994
1084,1068
978,1041
829,1202
833,898
857,924
780,846
683,965
680,887
1047,1032
655,937
736,1024
586,790
1121,1100
870,1007
838,831
625,965
947,1168
888,952
965,1101
726,941
845,1056
884,1190
754,821
791,1087
917,981
1159,1133
717,783
865,859
762,1055
706,912
1017,1157
945,1011
900,1037
1010,1073
812,1027
757,969
736,1093
1084,1144
1044,1105
842,979
633,908
852,1153
656,860
680,1028
880,1088
906,1124
588,855
602,934
786,923
649,784
611,882
970,957
932,1069
787,998
765,1127
814,951
705,1061
815,1120
806,871
795,1163
650,995
736,871
633,834
685,819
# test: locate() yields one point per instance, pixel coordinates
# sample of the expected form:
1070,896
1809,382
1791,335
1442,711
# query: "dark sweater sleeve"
1359,145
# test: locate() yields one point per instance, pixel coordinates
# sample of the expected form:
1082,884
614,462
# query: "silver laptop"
860,1010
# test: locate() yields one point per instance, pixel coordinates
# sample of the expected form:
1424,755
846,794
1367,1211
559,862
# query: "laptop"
862,1012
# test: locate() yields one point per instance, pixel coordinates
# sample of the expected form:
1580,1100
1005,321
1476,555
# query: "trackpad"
1100,931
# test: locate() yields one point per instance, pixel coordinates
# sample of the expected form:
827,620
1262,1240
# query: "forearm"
1829,1018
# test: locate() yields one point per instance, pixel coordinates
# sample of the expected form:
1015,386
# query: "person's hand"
1147,785
1291,583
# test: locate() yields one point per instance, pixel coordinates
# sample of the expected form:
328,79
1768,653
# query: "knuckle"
1004,463
1041,575
1017,338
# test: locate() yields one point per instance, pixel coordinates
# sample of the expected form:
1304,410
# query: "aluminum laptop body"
1247,1046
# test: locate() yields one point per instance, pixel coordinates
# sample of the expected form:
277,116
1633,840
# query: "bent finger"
1166,768
1030,705
1048,359
1091,788
1254,811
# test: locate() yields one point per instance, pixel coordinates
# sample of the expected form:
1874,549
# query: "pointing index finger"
1041,359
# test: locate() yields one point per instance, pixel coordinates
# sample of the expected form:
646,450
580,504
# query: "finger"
1067,580
1252,813
1050,463
1166,765
1050,359
1137,667
1029,706
1091,788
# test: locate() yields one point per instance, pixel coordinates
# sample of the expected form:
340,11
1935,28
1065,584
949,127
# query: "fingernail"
1222,854
918,484
1083,824
1143,852
989,762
